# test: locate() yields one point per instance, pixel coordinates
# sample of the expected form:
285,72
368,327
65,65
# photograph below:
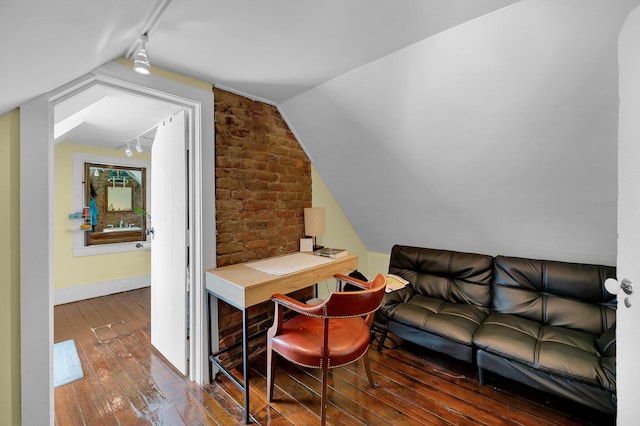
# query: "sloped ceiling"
445,123
267,50
274,50
497,136
270,50
45,44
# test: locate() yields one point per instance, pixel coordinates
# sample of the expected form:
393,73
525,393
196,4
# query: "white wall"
497,136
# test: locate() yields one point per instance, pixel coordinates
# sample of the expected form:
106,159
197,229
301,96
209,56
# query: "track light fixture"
139,148
128,151
141,59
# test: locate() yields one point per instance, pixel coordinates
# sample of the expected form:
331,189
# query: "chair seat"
300,341
327,335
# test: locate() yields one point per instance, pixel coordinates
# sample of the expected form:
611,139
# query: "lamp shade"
314,221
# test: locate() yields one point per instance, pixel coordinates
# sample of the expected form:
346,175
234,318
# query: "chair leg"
383,337
271,369
323,402
367,369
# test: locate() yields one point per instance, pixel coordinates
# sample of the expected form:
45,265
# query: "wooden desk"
243,286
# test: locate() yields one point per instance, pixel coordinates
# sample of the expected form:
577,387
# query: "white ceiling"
269,50
495,127
103,116
277,49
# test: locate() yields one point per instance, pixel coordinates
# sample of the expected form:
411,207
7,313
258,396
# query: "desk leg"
245,365
245,362
209,351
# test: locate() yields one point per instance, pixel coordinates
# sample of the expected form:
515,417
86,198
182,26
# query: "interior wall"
71,271
339,232
497,136
10,268
263,184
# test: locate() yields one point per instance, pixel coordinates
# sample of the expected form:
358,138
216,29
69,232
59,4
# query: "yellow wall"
10,268
70,271
340,234
170,75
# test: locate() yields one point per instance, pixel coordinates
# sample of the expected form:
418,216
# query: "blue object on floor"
66,363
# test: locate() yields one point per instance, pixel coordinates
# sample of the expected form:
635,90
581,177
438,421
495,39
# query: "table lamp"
314,224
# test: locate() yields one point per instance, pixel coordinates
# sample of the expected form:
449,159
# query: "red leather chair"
331,334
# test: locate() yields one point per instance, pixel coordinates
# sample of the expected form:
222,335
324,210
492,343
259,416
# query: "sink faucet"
121,223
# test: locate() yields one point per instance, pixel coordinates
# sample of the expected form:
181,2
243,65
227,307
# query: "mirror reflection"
115,195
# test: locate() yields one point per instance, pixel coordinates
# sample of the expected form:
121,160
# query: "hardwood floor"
127,382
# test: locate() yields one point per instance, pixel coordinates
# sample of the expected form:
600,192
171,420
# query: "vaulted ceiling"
485,125
271,50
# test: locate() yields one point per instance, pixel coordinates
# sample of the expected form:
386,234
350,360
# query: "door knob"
613,287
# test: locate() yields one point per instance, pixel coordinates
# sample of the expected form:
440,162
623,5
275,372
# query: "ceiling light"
141,59
139,148
128,151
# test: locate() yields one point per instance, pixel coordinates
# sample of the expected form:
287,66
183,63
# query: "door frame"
37,230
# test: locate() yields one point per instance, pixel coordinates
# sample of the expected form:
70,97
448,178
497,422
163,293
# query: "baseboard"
88,291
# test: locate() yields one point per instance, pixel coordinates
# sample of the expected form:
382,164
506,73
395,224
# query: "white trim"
104,288
109,248
245,95
36,261
36,194
295,134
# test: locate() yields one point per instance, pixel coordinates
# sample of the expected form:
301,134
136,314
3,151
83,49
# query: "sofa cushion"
448,296
455,277
560,294
455,321
560,351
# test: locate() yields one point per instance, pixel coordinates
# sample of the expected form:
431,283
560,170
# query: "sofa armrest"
394,298
609,367
606,342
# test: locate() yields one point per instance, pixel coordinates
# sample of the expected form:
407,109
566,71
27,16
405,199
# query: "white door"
169,247
628,264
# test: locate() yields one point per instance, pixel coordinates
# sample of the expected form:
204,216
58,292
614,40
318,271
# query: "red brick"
263,183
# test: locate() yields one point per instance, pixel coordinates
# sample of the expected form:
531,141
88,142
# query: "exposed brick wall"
263,184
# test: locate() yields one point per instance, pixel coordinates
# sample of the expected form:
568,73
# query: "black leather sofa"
547,324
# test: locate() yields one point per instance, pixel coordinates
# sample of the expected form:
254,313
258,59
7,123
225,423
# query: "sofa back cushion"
456,277
553,293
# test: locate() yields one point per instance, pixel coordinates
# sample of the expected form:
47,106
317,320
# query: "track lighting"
141,59
128,151
139,148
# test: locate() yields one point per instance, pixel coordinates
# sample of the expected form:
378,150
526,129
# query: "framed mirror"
115,196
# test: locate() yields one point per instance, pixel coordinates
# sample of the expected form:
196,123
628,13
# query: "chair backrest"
349,304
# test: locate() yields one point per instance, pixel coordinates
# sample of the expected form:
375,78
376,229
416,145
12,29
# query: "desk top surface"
243,285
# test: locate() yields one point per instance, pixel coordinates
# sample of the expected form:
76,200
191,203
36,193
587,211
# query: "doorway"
37,224
114,129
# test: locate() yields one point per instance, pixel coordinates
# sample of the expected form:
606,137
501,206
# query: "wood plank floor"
127,382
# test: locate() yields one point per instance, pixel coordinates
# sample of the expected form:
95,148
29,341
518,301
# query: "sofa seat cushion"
455,321
556,350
